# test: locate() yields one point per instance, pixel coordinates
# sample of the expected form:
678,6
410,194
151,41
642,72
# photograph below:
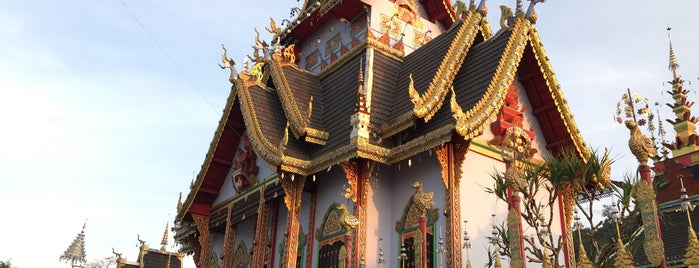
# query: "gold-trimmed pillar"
358,173
231,234
228,247
451,156
311,230
293,189
260,239
202,224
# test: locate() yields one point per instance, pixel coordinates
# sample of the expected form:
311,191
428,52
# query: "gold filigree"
260,230
293,190
342,257
691,255
289,54
202,224
443,158
623,259
332,224
514,236
256,71
427,104
652,244
227,243
230,240
352,175
470,123
451,157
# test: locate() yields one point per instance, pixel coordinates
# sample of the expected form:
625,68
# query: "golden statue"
422,199
641,146
347,220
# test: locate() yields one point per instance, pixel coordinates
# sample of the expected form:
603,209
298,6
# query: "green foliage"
6,264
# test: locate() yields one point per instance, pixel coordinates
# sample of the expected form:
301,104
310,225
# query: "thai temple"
364,134
152,257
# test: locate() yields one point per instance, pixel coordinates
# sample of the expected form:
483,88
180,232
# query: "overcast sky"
98,123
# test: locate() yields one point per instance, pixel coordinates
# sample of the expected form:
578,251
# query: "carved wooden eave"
557,94
429,102
270,153
299,122
197,184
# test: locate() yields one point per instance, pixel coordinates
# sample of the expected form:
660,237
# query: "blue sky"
98,123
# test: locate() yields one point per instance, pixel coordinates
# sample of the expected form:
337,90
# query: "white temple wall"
245,231
316,43
281,229
219,239
477,206
386,7
381,223
264,171
328,190
305,219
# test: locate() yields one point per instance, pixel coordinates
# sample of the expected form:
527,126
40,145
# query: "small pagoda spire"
75,254
163,242
361,99
359,120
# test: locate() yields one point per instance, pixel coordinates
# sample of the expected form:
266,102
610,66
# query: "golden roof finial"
163,243
360,106
673,58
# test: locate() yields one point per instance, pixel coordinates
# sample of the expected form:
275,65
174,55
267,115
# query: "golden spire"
361,100
623,257
691,255
673,59
583,260
163,243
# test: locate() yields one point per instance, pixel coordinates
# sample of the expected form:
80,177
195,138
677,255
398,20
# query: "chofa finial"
482,8
531,13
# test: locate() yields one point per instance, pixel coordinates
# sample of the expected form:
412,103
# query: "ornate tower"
684,123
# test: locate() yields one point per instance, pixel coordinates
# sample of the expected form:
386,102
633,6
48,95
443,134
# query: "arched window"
241,257
408,228
330,236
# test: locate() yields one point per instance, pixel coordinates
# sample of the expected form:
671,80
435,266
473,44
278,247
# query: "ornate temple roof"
299,122
75,253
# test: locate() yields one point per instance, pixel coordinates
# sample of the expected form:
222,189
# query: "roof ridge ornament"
228,63
482,8
531,13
